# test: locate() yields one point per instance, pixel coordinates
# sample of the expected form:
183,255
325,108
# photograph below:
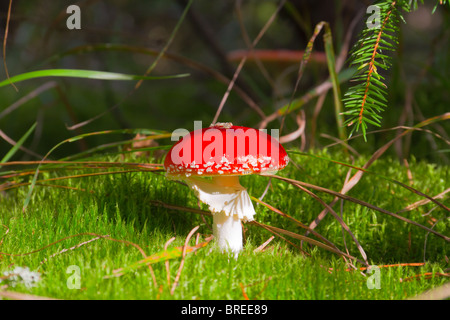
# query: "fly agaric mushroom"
224,152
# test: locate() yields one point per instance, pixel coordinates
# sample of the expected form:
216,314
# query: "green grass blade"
329,51
18,144
169,254
87,74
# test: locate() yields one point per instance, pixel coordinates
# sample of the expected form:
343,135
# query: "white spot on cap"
224,160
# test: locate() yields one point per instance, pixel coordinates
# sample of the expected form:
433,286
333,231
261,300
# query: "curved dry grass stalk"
244,293
423,202
278,233
186,242
71,248
6,232
339,142
33,94
5,137
339,219
5,38
263,246
167,263
301,121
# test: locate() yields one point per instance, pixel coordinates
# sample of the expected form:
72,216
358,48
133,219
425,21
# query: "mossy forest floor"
77,235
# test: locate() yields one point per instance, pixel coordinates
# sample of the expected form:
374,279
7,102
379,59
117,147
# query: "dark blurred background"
38,38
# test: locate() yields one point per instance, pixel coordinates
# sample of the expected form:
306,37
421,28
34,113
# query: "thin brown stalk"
33,94
301,122
264,245
244,59
175,207
324,212
250,53
5,137
166,263
266,282
426,275
443,138
339,141
167,44
277,232
407,264
422,202
6,232
8,17
205,31
244,294
339,219
71,248
89,163
426,239
301,68
177,277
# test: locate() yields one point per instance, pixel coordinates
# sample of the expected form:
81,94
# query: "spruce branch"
367,98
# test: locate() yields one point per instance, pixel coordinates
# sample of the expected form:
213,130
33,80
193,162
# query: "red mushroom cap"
225,149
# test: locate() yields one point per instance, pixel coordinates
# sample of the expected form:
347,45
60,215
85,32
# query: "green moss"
119,206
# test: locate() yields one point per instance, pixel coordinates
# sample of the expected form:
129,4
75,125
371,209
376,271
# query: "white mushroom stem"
229,203
228,232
